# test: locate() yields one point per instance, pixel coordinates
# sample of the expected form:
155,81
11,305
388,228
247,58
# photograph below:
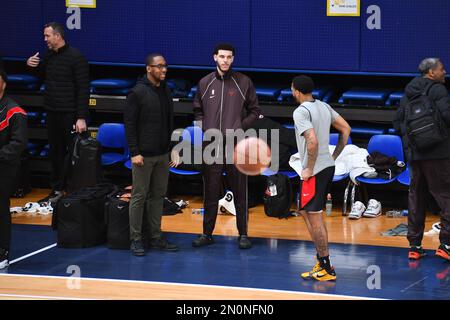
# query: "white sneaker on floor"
358,209
373,209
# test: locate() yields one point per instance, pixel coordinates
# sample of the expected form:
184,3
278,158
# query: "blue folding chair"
112,135
333,141
404,177
388,145
194,135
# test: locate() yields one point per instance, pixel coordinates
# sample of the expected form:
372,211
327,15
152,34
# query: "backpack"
84,167
424,125
278,196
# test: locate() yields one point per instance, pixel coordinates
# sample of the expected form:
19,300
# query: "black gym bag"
79,217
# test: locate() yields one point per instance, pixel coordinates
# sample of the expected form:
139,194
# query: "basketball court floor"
368,265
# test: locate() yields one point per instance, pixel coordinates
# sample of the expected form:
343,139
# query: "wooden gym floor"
353,244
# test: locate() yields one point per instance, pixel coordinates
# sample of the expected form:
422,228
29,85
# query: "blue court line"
271,264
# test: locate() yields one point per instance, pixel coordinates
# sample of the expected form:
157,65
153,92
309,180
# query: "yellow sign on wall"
81,3
337,8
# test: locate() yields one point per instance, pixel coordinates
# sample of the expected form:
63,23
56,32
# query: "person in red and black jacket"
13,140
66,98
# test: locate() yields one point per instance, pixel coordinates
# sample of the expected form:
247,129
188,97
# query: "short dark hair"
3,75
224,46
304,84
151,56
57,28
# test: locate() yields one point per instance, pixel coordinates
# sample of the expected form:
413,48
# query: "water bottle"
198,211
329,205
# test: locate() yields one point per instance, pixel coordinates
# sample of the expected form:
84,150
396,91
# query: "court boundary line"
33,253
6,295
195,285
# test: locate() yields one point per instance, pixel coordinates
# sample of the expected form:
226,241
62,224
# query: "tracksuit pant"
7,178
433,175
213,192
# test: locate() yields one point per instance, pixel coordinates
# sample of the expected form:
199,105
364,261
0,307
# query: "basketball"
252,156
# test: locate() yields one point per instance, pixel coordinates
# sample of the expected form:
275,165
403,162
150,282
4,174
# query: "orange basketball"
252,156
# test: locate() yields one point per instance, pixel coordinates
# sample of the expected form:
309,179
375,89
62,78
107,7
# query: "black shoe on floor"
162,244
202,241
4,258
244,242
137,248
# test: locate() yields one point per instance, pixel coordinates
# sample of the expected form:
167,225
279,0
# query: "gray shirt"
319,117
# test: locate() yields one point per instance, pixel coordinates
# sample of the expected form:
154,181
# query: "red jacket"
226,102
13,131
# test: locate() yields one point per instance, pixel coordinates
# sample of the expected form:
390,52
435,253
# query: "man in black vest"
13,140
429,169
148,119
66,74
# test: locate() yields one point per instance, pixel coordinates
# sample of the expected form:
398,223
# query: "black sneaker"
162,244
137,248
244,242
4,256
202,241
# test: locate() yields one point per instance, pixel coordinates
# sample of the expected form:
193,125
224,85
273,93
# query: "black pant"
213,191
7,178
60,139
433,175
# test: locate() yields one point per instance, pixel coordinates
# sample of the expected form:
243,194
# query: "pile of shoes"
359,210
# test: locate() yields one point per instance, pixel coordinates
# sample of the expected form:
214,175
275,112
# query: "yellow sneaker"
308,275
324,275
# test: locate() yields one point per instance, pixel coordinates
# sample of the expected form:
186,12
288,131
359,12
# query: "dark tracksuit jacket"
225,102
13,140
430,169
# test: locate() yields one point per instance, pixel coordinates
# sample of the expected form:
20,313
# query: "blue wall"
282,34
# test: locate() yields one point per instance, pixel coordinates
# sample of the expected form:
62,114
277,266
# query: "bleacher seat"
112,86
289,126
180,87
323,94
289,174
391,131
360,96
267,93
193,91
394,98
366,132
23,82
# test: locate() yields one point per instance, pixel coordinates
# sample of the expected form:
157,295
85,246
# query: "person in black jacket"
148,119
66,74
431,168
13,140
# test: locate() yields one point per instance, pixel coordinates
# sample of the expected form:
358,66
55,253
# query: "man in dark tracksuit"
225,100
13,140
148,119
431,168
66,74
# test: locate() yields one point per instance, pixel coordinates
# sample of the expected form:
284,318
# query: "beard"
223,71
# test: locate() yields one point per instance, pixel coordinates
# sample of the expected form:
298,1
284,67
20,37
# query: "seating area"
112,135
